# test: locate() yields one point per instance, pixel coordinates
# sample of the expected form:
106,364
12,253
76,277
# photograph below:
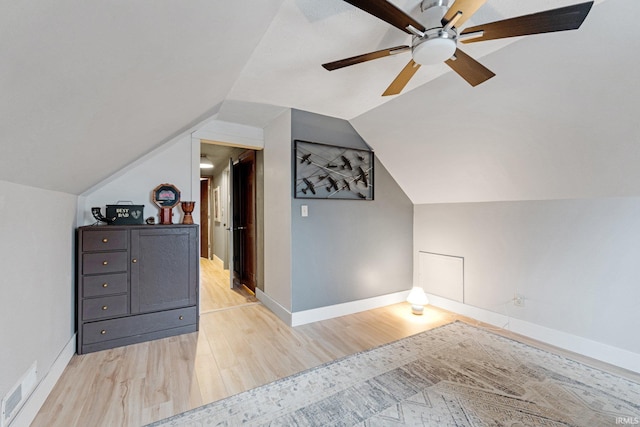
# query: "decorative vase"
187,208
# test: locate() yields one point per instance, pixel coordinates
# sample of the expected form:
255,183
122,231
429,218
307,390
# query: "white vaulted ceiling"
285,67
110,80
88,86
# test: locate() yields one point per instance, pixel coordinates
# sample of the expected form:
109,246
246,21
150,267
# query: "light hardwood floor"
236,349
215,291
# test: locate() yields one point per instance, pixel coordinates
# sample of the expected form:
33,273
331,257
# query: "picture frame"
217,210
166,195
324,171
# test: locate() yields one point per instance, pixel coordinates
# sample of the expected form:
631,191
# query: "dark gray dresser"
135,283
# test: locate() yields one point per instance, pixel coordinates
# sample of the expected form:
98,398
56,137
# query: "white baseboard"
329,312
282,313
599,351
586,347
28,412
337,310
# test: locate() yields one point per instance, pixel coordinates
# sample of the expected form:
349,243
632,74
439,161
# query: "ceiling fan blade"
469,69
365,57
564,18
467,7
402,79
386,11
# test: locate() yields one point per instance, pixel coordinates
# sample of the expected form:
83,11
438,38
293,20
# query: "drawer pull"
105,240
134,260
104,307
105,285
181,318
102,332
105,262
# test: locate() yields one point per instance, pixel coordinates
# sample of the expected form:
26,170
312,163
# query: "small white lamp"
418,299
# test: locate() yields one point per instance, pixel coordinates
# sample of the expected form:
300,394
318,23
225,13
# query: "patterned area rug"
454,375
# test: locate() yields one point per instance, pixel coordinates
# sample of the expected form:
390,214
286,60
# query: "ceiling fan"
436,36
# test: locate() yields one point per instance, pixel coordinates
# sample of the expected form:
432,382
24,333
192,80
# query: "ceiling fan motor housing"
438,44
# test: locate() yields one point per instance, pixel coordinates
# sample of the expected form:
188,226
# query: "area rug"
454,375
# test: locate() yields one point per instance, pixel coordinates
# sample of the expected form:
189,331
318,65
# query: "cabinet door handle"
105,262
181,317
105,240
134,260
104,285
104,307
102,332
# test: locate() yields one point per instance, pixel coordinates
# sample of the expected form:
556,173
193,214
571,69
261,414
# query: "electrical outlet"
518,300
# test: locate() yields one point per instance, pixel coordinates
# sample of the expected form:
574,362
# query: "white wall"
175,163
233,133
277,210
37,285
575,261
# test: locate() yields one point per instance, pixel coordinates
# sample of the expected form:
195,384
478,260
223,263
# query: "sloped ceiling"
560,120
87,87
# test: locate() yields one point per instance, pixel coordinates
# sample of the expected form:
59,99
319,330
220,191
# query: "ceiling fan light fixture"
205,163
434,51
435,34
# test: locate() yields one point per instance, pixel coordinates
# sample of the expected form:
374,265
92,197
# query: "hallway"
215,291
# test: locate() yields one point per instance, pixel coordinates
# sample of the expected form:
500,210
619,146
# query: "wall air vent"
13,401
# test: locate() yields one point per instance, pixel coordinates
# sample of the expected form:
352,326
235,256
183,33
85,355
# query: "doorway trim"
205,218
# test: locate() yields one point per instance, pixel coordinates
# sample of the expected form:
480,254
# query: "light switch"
304,210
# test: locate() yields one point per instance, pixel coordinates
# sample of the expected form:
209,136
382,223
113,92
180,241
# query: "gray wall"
347,250
575,261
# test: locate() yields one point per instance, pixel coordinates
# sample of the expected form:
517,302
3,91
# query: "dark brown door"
244,219
205,190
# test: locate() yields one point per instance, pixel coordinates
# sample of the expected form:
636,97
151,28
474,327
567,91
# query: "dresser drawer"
104,240
99,308
104,284
104,262
112,329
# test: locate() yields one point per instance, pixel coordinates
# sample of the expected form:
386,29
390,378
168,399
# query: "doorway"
227,230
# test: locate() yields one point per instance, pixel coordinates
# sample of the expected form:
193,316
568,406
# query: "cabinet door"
164,268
